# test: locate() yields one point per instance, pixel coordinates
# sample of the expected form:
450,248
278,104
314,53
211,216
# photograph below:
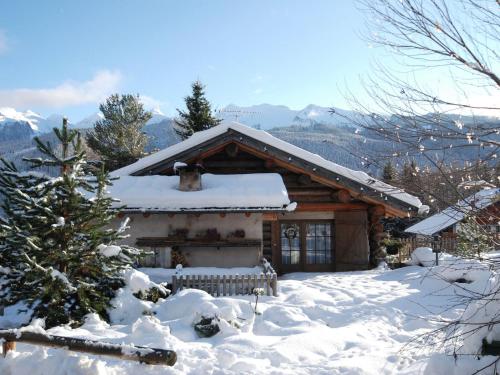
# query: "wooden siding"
267,247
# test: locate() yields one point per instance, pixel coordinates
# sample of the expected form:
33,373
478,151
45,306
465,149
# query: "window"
306,243
290,243
319,243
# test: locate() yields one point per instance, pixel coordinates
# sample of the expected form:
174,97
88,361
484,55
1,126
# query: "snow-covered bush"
424,256
143,288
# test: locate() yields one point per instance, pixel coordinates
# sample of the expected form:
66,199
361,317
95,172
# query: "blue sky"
65,56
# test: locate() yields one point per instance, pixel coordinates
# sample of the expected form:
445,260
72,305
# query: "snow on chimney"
189,176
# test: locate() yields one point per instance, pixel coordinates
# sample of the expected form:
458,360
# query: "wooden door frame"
303,266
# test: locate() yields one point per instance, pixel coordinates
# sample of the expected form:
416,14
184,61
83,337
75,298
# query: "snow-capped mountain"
158,116
89,121
37,123
10,116
268,116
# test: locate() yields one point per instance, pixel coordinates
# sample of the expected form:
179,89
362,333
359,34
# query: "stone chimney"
189,177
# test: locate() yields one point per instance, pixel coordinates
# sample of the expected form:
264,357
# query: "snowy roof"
249,192
264,137
454,214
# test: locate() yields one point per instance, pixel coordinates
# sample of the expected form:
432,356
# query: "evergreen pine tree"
198,116
389,173
55,231
118,138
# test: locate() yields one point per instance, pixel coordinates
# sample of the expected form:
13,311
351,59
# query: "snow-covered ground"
321,323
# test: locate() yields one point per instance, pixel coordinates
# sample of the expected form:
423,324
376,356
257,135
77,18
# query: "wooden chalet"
312,215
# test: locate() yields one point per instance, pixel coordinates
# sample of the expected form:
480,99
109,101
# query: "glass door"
306,246
318,246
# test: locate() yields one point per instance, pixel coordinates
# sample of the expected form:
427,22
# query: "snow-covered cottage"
485,205
230,195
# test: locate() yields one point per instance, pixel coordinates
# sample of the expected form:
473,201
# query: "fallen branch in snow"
150,356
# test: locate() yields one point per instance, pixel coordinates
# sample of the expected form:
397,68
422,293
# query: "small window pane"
290,243
318,243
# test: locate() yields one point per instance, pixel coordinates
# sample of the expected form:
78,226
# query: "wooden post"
217,285
274,285
180,284
174,284
142,354
268,284
7,346
224,285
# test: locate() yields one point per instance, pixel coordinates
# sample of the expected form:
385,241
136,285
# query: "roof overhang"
388,198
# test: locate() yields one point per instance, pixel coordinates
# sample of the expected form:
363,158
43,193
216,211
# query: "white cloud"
66,94
151,103
3,42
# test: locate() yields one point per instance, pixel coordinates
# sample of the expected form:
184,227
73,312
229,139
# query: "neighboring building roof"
358,180
454,214
246,192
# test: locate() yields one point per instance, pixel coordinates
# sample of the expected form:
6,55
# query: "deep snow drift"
325,323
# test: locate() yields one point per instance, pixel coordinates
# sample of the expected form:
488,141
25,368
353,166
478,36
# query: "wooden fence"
230,285
446,244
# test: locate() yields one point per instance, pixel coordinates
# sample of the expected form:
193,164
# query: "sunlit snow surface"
323,323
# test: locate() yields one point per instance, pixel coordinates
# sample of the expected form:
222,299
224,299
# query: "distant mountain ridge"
313,128
269,116
262,116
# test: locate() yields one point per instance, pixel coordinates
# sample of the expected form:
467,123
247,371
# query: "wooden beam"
377,210
269,164
342,196
269,216
304,179
130,352
309,192
317,207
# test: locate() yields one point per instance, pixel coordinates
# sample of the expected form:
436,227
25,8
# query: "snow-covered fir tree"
58,252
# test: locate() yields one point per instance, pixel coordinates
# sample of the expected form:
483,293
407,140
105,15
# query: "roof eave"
397,207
